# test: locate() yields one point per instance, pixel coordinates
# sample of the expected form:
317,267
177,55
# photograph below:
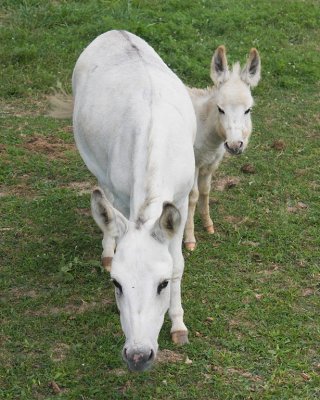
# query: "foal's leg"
204,183
189,238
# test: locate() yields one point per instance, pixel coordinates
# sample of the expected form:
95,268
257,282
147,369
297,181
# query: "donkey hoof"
106,263
180,337
190,246
209,229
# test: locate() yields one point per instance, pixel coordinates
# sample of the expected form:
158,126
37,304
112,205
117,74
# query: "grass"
250,292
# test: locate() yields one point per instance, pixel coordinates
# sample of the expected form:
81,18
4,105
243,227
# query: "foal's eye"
117,285
220,110
247,111
162,285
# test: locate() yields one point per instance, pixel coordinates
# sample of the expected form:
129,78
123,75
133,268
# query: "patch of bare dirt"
225,183
118,371
234,220
245,374
308,292
237,371
20,293
70,309
68,129
20,189
297,207
59,352
250,243
80,187
52,147
236,322
24,107
169,356
84,211
266,273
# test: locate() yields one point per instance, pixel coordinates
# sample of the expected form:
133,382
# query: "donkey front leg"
204,184
179,332
189,238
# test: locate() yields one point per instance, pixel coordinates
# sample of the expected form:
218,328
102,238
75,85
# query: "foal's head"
233,98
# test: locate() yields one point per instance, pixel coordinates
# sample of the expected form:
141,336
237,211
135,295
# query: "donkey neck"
150,190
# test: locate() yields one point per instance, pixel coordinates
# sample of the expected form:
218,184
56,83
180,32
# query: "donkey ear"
107,218
251,72
167,224
219,66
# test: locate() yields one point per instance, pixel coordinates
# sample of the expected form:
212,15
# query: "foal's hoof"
209,229
180,337
106,263
190,246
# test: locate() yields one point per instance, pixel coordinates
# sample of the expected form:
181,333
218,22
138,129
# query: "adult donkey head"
142,268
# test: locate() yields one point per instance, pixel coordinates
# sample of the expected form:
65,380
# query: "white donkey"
134,126
223,124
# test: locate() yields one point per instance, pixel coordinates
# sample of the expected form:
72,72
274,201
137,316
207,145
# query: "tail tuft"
60,105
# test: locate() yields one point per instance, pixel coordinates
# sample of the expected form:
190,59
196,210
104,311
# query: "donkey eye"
162,285
220,110
247,111
117,285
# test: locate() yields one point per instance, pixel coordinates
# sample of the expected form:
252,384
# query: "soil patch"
52,147
70,309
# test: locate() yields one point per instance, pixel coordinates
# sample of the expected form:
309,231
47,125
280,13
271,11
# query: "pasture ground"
250,292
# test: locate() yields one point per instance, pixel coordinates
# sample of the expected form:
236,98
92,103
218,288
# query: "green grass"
251,292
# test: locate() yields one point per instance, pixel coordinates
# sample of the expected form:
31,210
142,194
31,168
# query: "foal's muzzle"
234,148
138,359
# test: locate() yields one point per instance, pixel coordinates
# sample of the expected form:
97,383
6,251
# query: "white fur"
134,126
218,131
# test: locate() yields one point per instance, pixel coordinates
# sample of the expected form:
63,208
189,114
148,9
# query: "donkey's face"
141,272
233,98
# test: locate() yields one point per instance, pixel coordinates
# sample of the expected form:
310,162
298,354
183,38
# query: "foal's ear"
167,224
108,219
251,72
219,66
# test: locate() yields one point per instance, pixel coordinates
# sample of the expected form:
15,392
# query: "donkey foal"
223,124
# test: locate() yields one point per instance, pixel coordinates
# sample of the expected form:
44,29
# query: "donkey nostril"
240,145
125,353
151,355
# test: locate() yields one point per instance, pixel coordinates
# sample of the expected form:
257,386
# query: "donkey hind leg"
204,183
179,331
189,238
108,245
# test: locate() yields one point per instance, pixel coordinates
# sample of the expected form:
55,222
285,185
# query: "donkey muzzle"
138,359
234,148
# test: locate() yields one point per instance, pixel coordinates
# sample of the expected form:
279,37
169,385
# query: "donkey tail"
60,105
